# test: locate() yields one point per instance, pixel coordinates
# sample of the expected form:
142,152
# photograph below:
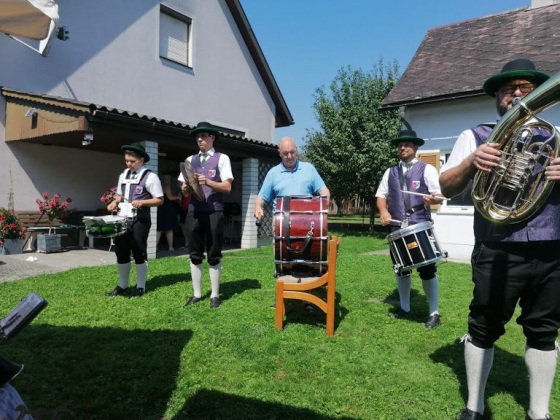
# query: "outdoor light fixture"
31,112
88,138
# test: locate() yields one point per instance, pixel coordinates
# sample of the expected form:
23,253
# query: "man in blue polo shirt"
289,178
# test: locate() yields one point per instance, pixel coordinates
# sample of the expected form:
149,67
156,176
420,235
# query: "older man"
290,177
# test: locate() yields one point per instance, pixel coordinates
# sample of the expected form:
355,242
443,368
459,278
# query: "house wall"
112,59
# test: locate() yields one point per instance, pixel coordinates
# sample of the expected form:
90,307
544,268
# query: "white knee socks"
404,284
124,273
141,275
215,275
478,363
542,368
431,291
196,276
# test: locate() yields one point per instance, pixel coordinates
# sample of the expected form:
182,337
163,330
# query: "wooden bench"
70,226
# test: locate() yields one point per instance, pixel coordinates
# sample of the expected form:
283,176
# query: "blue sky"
306,42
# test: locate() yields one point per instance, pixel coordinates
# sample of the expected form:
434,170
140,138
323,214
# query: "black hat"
520,68
138,149
205,127
408,135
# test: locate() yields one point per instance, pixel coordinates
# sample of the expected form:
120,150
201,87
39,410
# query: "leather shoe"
467,414
401,314
308,307
433,322
193,300
138,291
215,302
117,291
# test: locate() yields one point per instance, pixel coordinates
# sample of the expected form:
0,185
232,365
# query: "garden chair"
301,288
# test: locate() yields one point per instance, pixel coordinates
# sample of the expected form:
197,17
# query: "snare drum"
105,226
301,234
415,246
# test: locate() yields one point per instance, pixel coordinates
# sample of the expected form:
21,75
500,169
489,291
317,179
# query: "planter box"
48,243
12,247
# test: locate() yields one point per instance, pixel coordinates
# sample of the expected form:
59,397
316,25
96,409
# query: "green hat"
205,127
520,68
408,135
138,149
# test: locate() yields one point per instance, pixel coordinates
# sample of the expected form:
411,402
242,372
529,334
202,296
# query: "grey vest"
544,225
214,200
396,201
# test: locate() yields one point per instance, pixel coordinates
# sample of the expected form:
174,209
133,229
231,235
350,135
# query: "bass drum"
301,235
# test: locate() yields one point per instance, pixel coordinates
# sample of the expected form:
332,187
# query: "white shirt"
431,178
464,146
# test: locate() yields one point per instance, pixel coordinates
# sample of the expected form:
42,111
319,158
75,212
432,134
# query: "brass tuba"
517,187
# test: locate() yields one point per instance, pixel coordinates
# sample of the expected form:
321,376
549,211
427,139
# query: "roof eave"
283,115
432,99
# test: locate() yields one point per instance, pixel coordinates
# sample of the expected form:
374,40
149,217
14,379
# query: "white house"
440,93
135,71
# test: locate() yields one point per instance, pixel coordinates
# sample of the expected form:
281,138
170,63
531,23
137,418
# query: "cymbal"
188,175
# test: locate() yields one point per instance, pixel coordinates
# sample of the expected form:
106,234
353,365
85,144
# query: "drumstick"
395,222
423,195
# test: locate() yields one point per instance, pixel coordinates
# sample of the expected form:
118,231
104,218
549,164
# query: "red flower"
52,207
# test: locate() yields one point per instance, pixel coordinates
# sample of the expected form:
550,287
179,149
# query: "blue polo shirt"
303,179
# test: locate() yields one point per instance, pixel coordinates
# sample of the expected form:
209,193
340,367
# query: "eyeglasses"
524,88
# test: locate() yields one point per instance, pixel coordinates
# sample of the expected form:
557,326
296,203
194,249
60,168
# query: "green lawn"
88,356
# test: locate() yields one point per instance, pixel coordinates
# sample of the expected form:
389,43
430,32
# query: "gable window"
175,36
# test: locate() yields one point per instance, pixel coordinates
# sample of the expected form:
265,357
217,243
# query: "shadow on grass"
121,374
418,304
508,374
210,404
296,314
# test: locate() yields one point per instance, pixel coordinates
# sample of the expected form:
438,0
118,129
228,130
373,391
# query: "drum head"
188,174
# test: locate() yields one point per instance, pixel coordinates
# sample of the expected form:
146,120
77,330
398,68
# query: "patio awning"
28,18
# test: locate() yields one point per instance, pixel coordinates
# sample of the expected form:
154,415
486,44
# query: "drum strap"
406,198
286,227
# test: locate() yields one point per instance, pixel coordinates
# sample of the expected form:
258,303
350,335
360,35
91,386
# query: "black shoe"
138,291
308,307
401,314
467,414
117,291
215,302
433,322
193,300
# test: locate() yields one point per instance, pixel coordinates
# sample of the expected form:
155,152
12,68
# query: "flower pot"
48,243
12,247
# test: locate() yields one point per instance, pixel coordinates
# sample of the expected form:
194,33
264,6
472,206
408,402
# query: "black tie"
133,175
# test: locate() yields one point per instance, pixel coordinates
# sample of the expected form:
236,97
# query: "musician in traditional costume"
398,209
511,262
205,218
138,189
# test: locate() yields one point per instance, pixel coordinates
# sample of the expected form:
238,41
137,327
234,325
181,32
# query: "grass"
88,356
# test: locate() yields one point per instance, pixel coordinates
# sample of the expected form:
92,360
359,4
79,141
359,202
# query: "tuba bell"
515,189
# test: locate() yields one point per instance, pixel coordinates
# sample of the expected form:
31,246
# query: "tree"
351,150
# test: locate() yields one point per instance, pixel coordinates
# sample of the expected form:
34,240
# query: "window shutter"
174,39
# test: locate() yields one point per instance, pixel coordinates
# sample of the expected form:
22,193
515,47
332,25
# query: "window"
174,36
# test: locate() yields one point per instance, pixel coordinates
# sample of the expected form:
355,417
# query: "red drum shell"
301,234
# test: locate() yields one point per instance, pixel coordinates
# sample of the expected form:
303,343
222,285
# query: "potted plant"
54,209
12,232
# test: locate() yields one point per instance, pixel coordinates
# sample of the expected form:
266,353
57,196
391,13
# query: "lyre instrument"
514,190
